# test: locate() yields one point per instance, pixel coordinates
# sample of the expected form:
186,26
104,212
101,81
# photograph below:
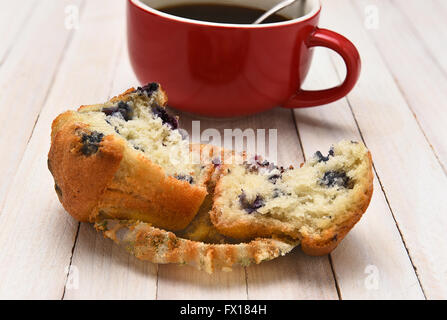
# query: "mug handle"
349,53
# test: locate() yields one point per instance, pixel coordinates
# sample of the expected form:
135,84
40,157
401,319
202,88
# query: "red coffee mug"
227,70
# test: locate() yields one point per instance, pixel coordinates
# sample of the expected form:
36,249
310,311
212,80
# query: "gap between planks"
408,103
337,288
56,71
71,260
13,67
380,182
247,286
110,272
402,153
157,277
43,275
400,86
11,33
79,224
48,92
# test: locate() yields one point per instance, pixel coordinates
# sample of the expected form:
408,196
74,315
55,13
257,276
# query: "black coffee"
220,13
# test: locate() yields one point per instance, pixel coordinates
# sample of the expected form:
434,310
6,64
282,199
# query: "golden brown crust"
160,246
117,181
141,190
79,180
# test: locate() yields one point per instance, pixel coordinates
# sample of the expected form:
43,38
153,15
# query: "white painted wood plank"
107,271
24,82
124,77
361,262
185,282
36,235
412,177
293,277
442,5
14,15
415,55
94,257
426,22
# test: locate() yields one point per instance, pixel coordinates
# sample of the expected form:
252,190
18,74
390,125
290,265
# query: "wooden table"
398,108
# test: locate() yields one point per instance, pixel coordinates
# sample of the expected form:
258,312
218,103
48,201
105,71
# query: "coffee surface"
220,13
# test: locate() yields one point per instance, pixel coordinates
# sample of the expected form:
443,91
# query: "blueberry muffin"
316,204
125,166
126,159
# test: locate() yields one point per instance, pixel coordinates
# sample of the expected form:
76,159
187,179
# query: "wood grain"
33,71
36,234
397,109
293,277
14,15
375,238
424,27
419,73
111,272
411,176
106,270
